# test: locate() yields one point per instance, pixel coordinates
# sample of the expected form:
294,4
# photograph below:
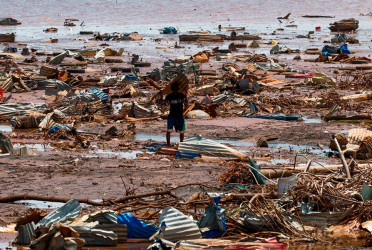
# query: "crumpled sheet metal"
103,217
268,66
320,78
140,111
12,109
97,237
200,145
99,57
25,233
119,230
70,210
52,119
177,225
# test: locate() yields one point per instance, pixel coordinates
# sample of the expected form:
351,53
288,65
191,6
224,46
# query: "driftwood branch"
13,198
343,160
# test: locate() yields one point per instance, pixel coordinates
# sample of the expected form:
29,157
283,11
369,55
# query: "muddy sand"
98,173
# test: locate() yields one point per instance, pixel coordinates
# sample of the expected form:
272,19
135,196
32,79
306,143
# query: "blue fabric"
136,229
130,77
345,49
99,92
213,233
169,30
187,155
214,219
55,128
325,51
253,107
330,50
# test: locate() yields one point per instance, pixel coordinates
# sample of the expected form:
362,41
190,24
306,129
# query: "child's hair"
175,86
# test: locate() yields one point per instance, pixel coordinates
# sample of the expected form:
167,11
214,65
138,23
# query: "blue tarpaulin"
55,128
136,229
214,219
330,50
169,30
345,49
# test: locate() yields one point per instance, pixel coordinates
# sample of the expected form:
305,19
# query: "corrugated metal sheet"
357,135
55,84
119,230
24,122
11,109
178,225
106,220
367,145
97,237
47,70
103,217
183,82
6,84
70,210
322,219
142,112
25,233
219,98
200,145
240,101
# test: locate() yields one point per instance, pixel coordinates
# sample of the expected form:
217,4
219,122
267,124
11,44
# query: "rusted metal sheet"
48,71
357,135
344,25
183,84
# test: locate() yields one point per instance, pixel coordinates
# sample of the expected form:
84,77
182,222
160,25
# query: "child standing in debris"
177,102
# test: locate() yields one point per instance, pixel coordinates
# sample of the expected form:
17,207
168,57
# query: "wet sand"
95,173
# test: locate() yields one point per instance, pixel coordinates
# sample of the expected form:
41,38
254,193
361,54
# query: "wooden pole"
343,160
